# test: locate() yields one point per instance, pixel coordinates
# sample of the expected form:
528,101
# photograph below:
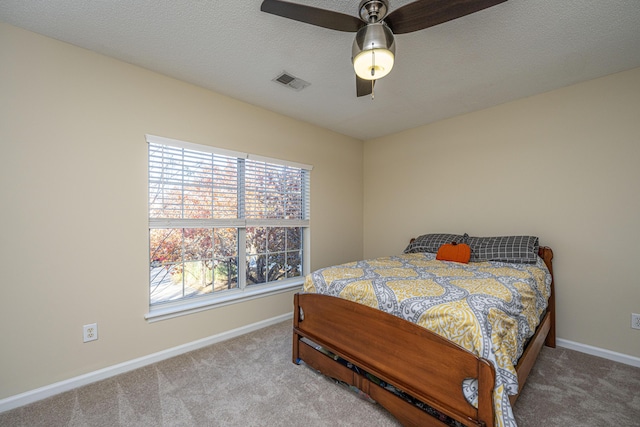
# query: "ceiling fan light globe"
373,50
380,61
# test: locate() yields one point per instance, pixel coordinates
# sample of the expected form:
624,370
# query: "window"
223,226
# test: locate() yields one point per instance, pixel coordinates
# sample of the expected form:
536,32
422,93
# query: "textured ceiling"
509,51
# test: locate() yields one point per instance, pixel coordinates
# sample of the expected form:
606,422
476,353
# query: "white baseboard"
600,352
62,386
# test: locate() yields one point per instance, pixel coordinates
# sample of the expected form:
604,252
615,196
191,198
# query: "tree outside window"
219,222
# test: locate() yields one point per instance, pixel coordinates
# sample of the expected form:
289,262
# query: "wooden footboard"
411,358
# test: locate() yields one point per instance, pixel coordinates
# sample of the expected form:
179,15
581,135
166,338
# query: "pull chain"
373,61
373,69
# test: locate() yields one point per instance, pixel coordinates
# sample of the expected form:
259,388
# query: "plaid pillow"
432,242
517,249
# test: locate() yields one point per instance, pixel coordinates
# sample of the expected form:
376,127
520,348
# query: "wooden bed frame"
409,357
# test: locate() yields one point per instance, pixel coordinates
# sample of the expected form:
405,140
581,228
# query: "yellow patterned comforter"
489,308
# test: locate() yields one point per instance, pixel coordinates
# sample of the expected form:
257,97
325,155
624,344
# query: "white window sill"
194,305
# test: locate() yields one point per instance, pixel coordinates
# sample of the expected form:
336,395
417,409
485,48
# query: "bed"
394,351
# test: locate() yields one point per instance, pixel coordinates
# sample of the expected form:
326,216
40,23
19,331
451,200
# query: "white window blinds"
193,185
275,192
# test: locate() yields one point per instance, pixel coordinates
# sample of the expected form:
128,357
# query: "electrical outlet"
90,332
635,321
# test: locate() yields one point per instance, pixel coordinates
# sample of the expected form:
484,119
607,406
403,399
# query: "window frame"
242,293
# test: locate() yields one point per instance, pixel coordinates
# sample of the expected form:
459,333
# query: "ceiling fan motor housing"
373,10
373,50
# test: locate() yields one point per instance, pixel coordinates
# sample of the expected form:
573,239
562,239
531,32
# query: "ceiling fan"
374,46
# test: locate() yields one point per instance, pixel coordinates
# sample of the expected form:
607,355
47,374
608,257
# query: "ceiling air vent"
290,81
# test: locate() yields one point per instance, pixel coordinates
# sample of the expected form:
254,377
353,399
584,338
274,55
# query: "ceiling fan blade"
312,15
423,14
364,87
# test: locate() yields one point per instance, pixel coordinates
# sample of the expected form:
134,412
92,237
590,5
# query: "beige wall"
73,187
563,165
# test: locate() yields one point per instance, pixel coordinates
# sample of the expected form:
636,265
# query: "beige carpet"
250,381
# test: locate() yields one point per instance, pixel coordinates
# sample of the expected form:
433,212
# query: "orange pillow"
457,252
